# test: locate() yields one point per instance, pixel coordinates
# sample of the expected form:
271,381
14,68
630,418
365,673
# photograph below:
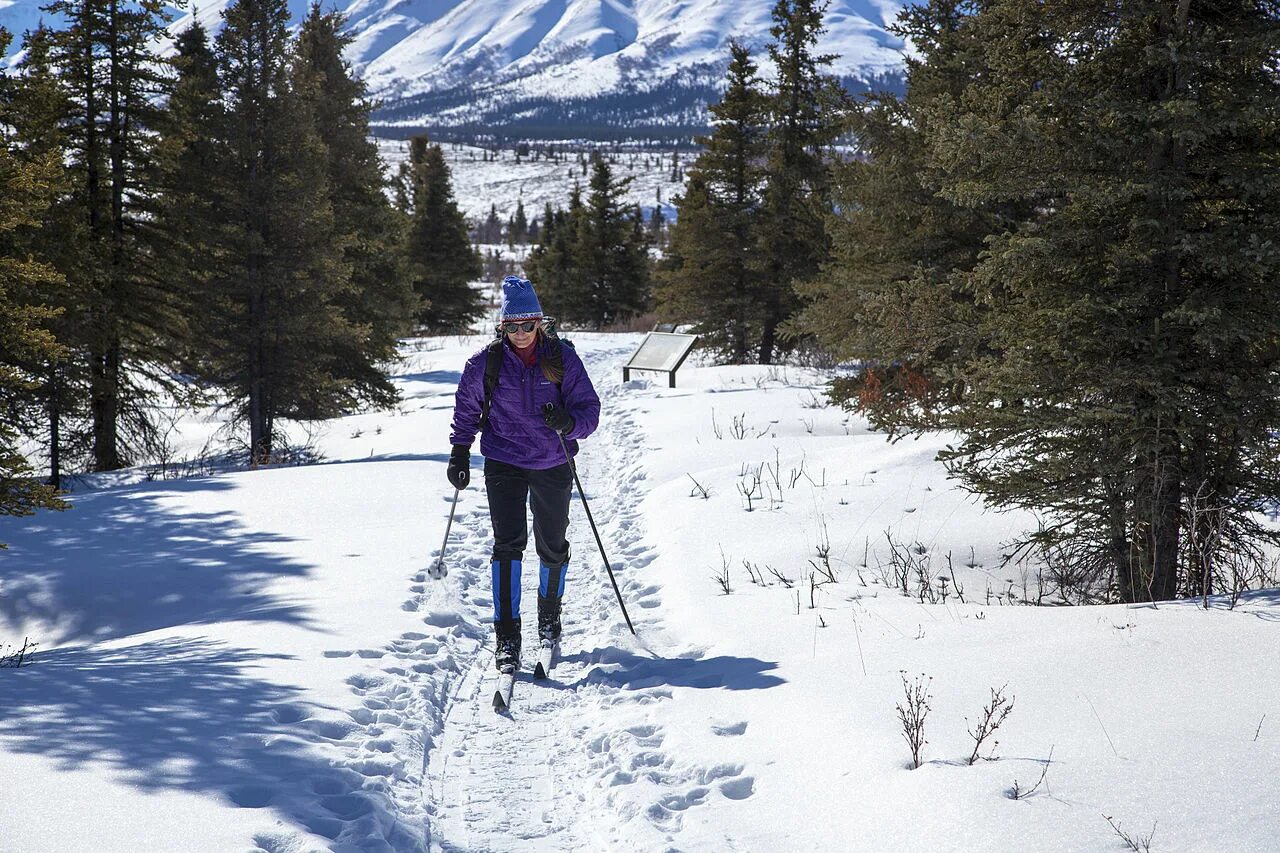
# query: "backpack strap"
492,367
554,341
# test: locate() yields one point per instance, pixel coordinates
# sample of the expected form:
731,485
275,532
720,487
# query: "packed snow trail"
552,772
498,780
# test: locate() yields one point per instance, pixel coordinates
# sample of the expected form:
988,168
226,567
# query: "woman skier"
524,393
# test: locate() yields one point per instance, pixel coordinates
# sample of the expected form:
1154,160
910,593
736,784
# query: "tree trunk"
1153,567
55,428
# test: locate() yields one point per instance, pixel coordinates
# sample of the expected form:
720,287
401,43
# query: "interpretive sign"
662,352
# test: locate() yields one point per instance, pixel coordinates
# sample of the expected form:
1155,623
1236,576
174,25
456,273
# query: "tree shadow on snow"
615,667
183,714
122,562
1262,603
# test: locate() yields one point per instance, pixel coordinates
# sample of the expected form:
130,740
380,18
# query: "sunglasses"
512,328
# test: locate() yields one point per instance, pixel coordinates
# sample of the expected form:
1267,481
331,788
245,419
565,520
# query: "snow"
554,49
569,49
478,183
258,660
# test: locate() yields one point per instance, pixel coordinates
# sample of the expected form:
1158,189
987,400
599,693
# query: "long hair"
551,357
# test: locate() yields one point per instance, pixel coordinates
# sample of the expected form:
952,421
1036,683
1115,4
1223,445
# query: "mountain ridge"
563,68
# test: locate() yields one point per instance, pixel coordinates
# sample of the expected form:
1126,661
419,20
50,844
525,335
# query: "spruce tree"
519,224
1120,372
38,113
807,112
893,295
707,277
187,214
442,261
277,332
29,186
378,297
613,253
554,265
115,84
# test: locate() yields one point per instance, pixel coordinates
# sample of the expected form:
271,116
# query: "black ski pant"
547,492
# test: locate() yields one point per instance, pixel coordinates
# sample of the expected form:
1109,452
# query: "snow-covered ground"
479,183
257,659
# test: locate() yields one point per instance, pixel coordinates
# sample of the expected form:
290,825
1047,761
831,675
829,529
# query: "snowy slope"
582,47
502,183
487,63
257,659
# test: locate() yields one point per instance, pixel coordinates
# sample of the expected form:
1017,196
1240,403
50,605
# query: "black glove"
557,418
460,466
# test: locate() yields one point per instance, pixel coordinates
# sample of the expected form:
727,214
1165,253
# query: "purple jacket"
516,434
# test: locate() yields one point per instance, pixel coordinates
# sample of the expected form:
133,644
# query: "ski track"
580,760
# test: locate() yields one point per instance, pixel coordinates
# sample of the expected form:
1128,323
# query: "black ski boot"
507,642
548,635
548,619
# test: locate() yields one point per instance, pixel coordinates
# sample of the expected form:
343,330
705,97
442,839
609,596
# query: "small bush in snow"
912,713
722,577
13,658
1136,843
1017,792
993,714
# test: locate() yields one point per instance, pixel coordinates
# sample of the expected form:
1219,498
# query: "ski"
502,696
543,670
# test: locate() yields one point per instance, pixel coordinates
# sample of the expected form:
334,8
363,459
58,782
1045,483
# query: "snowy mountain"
563,67
620,63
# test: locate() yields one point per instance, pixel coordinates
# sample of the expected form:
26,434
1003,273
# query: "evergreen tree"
807,112
554,264
115,83
29,186
187,214
707,276
613,252
38,112
443,263
1120,376
519,224
277,330
657,227
893,296
378,297
592,264
490,230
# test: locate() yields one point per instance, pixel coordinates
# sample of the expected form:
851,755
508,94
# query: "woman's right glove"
460,466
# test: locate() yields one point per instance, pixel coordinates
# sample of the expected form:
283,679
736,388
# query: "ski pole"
592,522
439,570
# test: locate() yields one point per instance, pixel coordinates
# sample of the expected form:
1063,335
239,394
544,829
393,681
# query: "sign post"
661,352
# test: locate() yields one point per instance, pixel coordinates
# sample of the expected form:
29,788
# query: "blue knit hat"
519,302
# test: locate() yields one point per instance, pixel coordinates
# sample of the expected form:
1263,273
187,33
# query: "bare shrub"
699,491
912,712
1017,792
993,714
722,577
11,658
782,579
1136,843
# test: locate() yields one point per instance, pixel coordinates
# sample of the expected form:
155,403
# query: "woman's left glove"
460,466
557,418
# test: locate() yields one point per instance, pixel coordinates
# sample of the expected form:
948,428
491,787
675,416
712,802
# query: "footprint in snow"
730,729
251,796
286,714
